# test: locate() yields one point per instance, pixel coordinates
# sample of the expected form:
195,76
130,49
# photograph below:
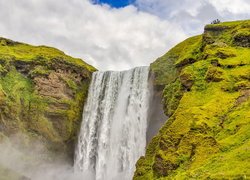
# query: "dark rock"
22,67
185,62
186,80
215,28
242,40
163,167
215,62
224,55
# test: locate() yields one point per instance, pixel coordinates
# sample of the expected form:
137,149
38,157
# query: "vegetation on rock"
205,82
42,92
206,93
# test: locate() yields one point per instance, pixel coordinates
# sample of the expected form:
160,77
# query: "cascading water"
114,125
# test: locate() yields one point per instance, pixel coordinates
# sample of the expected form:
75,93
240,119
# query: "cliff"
205,82
42,92
205,87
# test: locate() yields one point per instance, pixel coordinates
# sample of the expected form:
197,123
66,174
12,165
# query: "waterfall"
113,131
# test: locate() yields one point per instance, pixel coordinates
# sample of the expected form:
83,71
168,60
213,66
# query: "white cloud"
113,38
192,15
238,7
106,38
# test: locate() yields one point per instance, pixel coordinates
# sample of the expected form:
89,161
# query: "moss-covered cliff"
206,81
42,92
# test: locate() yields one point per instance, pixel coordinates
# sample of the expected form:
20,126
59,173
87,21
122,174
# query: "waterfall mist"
114,126
33,161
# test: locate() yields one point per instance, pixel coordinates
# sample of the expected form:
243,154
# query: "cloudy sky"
113,34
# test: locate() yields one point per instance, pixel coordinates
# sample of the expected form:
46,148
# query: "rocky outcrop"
205,82
42,92
242,39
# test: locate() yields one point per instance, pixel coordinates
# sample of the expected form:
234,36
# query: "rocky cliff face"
206,87
42,92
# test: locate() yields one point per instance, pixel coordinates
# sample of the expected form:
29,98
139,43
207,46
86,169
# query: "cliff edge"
42,92
206,87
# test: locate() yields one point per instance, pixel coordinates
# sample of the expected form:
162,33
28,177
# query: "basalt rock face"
42,92
206,86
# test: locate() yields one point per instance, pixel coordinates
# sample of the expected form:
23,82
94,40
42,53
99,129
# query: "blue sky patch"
114,3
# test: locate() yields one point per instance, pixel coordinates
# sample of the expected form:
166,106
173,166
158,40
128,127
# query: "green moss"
172,94
26,52
190,52
14,84
225,33
40,71
207,135
214,74
164,68
2,69
233,161
42,92
23,103
71,84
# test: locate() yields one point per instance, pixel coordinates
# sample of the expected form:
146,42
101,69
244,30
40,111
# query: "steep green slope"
42,92
206,81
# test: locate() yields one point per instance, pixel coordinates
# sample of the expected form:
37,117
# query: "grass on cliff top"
26,52
231,24
226,32
189,50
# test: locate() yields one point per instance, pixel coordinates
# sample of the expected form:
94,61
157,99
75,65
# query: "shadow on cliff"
156,116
